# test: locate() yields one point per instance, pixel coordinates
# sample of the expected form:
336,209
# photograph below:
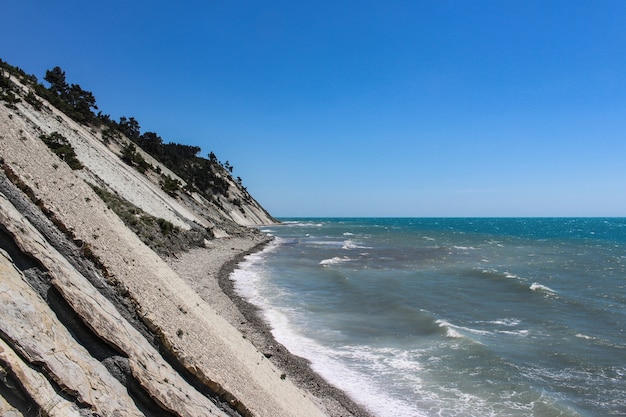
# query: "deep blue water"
453,317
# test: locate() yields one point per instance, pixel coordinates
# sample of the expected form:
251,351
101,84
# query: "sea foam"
335,260
455,332
350,244
542,288
350,368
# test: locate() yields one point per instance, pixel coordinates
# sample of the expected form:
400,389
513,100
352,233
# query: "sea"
452,316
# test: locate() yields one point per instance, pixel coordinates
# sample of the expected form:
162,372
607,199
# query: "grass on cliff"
159,234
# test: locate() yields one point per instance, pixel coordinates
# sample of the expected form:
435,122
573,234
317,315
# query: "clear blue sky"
362,108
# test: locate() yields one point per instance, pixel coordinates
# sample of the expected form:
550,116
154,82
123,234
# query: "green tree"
82,102
129,127
151,143
56,78
71,99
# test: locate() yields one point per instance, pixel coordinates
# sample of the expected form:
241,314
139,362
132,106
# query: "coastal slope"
93,318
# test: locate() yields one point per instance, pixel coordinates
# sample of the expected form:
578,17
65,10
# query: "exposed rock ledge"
95,323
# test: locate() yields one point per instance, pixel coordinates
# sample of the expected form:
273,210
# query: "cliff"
94,320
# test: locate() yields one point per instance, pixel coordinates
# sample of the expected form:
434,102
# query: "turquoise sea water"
453,317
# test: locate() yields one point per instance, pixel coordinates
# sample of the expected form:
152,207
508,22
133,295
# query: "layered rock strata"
93,321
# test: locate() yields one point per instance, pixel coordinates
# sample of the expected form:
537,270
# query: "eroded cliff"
92,320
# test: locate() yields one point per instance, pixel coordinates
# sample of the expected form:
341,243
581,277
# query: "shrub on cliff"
7,90
169,185
157,233
134,158
62,147
33,100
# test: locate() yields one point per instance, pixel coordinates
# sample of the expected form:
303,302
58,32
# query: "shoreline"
213,283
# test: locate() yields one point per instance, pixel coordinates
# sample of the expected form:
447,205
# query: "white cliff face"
46,340
94,322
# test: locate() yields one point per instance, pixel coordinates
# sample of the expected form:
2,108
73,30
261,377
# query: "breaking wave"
334,261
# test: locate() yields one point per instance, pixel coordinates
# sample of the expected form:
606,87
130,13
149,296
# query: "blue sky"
362,108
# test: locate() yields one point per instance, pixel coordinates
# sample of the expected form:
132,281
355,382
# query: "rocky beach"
208,271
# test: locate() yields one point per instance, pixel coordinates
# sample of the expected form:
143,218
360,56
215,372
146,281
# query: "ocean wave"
465,248
544,289
295,223
494,273
517,281
522,332
600,382
509,322
247,275
386,359
335,260
336,243
506,322
455,332
361,375
350,244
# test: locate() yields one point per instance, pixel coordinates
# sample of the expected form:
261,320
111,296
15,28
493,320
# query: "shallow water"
453,317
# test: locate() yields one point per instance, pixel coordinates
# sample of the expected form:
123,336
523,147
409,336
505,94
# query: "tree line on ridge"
207,176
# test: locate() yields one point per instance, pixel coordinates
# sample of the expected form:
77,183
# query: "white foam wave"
449,332
498,273
350,244
336,243
335,260
295,223
246,276
455,332
465,248
348,234
364,389
542,288
506,322
522,333
245,284
356,379
509,322
386,359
